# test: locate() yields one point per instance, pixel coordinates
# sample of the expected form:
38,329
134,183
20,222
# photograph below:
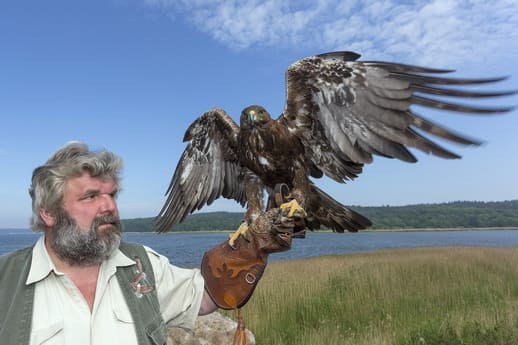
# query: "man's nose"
108,203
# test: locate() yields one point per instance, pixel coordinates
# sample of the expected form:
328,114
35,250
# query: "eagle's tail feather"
323,209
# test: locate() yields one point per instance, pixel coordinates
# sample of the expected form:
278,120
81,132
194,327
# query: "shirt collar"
42,265
117,259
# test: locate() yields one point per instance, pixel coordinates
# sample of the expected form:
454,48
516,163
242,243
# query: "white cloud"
438,31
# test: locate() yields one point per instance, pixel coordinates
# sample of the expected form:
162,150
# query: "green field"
412,296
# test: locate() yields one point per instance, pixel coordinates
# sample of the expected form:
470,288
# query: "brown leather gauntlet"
232,273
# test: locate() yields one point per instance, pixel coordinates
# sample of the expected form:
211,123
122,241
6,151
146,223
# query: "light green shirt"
61,314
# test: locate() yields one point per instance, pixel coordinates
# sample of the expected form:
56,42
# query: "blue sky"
131,75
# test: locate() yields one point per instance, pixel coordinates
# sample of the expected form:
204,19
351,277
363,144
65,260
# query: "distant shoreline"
309,231
457,215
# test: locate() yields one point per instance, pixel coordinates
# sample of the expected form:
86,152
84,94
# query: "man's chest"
62,315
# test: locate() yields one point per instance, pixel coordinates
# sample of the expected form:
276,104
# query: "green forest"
458,214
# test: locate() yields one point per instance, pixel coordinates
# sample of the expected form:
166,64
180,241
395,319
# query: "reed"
411,296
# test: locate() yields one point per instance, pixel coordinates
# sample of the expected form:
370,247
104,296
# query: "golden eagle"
339,112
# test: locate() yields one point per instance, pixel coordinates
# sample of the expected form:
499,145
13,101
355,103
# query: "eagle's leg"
254,197
241,231
299,231
284,199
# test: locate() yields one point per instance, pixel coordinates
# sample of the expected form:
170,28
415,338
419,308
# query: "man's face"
87,198
87,229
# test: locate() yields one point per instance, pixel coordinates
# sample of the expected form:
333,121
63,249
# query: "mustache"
107,218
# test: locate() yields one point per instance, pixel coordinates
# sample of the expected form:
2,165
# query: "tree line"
458,214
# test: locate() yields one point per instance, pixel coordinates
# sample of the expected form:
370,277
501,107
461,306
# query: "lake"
186,249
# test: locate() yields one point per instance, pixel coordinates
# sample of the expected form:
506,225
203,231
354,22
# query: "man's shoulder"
20,255
15,263
136,248
131,248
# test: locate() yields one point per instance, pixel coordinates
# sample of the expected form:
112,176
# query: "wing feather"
345,111
207,169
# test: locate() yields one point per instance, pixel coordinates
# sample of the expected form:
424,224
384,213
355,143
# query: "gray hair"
72,160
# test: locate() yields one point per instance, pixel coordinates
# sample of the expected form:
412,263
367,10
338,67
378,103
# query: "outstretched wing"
207,169
344,111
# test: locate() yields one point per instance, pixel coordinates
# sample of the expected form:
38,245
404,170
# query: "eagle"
339,113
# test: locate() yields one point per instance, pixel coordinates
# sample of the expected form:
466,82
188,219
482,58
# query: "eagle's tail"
322,209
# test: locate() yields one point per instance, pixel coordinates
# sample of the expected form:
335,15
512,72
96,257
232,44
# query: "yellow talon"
242,230
294,206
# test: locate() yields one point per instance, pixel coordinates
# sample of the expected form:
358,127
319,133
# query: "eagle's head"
253,116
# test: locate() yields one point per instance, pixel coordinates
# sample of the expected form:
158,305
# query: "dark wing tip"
433,103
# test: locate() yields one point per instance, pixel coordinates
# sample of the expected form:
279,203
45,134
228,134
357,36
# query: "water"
186,250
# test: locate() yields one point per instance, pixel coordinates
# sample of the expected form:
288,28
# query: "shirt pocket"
49,335
122,314
124,324
155,329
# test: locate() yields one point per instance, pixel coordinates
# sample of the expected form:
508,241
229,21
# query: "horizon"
352,206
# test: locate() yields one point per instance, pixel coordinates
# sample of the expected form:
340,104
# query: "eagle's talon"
294,207
241,231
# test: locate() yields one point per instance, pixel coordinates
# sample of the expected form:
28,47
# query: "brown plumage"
339,112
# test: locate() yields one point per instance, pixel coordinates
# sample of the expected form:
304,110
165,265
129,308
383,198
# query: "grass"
425,296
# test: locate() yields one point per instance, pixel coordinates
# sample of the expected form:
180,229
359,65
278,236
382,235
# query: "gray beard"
78,248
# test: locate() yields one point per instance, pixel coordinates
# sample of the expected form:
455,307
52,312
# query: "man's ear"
47,217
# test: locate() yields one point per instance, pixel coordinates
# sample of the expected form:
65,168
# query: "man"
79,284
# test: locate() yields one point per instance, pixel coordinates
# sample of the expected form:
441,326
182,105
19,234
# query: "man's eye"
89,197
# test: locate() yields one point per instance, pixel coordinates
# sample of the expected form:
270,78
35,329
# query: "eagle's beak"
252,116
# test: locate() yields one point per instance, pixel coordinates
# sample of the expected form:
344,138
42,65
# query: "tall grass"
412,296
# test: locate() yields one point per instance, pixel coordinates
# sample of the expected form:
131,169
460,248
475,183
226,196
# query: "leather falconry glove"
232,273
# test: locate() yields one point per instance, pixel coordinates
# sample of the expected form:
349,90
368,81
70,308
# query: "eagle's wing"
344,111
207,169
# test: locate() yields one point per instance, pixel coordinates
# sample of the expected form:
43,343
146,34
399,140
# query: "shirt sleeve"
179,290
